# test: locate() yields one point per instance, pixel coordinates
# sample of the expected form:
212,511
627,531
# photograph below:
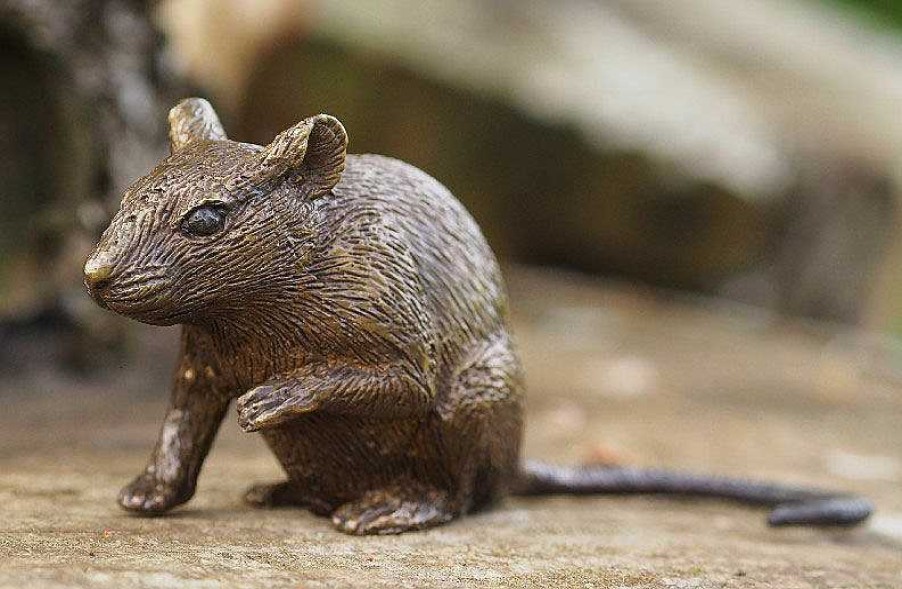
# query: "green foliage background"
883,12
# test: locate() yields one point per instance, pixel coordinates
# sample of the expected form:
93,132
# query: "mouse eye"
204,220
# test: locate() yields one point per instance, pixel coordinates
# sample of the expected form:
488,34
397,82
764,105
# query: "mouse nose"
97,273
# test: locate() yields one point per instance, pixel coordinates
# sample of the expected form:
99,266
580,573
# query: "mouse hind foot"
394,511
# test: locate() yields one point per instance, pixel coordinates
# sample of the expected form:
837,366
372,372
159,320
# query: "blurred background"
696,203
745,150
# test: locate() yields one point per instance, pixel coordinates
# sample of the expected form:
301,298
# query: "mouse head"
218,225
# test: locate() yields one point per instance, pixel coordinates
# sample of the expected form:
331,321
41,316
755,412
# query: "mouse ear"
193,120
315,149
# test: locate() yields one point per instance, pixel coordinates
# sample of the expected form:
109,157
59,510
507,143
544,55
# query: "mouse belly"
335,459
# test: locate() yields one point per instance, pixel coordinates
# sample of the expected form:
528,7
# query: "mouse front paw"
146,495
269,405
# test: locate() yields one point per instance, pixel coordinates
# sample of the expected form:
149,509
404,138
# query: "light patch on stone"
569,417
864,467
682,583
627,376
887,525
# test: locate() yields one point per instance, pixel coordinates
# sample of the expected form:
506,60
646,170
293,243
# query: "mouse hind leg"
480,425
469,451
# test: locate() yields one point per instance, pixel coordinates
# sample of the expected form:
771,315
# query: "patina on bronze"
353,308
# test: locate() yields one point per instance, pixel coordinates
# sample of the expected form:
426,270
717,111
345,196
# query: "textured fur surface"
360,324
352,307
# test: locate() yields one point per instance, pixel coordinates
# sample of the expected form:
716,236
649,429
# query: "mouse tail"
791,505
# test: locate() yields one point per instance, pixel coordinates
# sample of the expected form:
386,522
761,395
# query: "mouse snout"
97,272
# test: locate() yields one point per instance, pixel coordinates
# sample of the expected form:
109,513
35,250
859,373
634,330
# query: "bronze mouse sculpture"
353,308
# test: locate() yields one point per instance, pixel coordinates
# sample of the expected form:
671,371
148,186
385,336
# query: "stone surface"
615,374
